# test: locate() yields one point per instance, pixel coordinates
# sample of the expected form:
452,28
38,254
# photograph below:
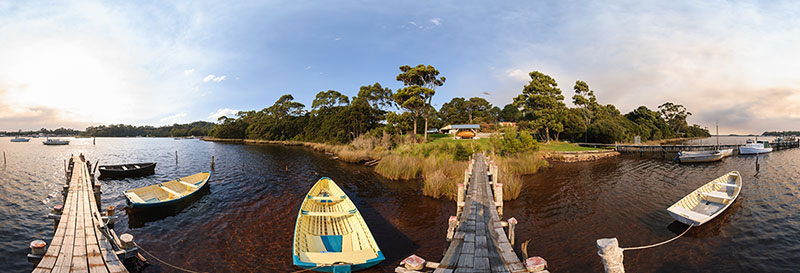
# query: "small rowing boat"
702,156
330,235
127,170
55,142
168,192
707,201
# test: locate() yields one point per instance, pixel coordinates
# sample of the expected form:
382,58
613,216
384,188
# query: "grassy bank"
554,146
513,167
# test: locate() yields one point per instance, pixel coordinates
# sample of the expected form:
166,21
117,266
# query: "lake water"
245,222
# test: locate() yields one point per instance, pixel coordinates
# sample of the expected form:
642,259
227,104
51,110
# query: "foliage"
512,142
421,82
198,128
510,113
542,103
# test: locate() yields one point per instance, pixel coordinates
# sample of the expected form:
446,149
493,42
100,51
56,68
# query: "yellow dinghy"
330,235
166,193
708,201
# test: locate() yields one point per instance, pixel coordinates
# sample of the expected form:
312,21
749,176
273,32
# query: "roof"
462,126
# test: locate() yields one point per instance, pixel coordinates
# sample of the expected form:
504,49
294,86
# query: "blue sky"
90,62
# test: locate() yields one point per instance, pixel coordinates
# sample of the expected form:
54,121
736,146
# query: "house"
461,130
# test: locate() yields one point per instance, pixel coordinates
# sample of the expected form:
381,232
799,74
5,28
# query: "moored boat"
20,139
707,201
757,147
127,170
166,193
55,142
330,235
702,156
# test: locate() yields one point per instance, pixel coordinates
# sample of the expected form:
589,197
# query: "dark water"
245,222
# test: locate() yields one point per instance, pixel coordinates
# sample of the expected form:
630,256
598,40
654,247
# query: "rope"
657,244
165,263
307,269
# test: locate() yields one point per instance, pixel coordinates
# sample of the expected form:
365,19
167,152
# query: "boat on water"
707,201
166,193
702,156
55,142
20,139
127,170
330,235
755,147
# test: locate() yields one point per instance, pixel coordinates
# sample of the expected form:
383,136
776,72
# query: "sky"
83,63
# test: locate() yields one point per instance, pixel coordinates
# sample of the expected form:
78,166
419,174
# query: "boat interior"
331,231
709,199
170,190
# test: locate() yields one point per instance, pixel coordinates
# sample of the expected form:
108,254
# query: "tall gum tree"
420,84
541,102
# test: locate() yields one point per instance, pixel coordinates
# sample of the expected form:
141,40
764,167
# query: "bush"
511,143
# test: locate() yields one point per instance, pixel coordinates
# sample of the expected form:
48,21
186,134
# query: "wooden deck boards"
483,247
78,245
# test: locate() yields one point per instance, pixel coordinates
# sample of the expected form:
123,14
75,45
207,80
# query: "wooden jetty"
479,243
633,148
83,242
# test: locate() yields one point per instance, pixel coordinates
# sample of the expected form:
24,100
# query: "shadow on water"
138,217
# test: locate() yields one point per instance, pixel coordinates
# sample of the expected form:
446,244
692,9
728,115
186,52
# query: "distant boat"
20,139
127,170
702,156
168,192
708,201
751,148
330,235
55,142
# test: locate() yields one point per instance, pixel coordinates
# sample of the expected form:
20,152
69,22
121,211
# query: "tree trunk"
426,129
415,127
557,133
470,117
547,134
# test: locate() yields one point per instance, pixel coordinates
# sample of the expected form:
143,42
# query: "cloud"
188,71
213,78
308,67
436,21
223,112
176,118
337,39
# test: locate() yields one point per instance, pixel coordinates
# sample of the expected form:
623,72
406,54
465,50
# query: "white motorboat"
753,148
55,142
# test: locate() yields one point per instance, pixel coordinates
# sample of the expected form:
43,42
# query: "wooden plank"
110,259
94,256
64,260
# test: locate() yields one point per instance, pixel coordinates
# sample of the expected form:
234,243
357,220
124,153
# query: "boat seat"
327,199
727,185
172,194
354,257
691,215
714,196
136,166
187,184
328,213
134,197
124,168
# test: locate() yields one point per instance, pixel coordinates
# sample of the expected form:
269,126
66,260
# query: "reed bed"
512,168
400,167
441,174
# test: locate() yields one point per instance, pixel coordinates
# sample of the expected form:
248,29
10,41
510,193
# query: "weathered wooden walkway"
633,148
480,243
79,244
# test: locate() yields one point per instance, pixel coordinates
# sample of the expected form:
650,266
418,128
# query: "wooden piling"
460,200
611,254
176,157
512,224
4,158
452,223
212,162
498,198
126,240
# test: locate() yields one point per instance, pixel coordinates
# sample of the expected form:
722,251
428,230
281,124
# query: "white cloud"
213,78
337,38
223,112
188,71
176,118
308,67
436,21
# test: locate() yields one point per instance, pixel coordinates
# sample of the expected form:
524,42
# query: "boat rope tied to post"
166,263
657,244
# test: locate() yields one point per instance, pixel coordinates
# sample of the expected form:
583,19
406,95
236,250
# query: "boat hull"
112,171
708,201
155,204
19,140
340,268
753,151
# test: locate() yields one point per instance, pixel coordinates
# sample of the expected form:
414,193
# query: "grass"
441,175
512,168
564,147
400,167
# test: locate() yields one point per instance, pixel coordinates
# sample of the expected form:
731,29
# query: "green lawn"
564,147
445,138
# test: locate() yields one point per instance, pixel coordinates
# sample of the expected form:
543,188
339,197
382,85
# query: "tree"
285,106
375,95
585,99
421,82
453,112
477,107
541,101
675,115
329,98
510,113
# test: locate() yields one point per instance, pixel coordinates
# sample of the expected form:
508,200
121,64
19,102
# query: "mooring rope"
166,263
657,244
307,269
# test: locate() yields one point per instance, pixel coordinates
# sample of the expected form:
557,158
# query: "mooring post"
609,251
94,140
498,198
4,157
460,199
451,227
38,248
212,162
176,157
55,214
512,223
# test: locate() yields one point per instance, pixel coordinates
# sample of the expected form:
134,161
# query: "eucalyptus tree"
586,101
541,102
420,85
675,115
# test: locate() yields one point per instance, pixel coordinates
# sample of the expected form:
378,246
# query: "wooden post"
4,158
94,140
512,223
212,162
460,199
609,251
451,227
126,241
176,157
498,198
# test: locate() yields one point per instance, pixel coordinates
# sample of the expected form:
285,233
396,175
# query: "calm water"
245,222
